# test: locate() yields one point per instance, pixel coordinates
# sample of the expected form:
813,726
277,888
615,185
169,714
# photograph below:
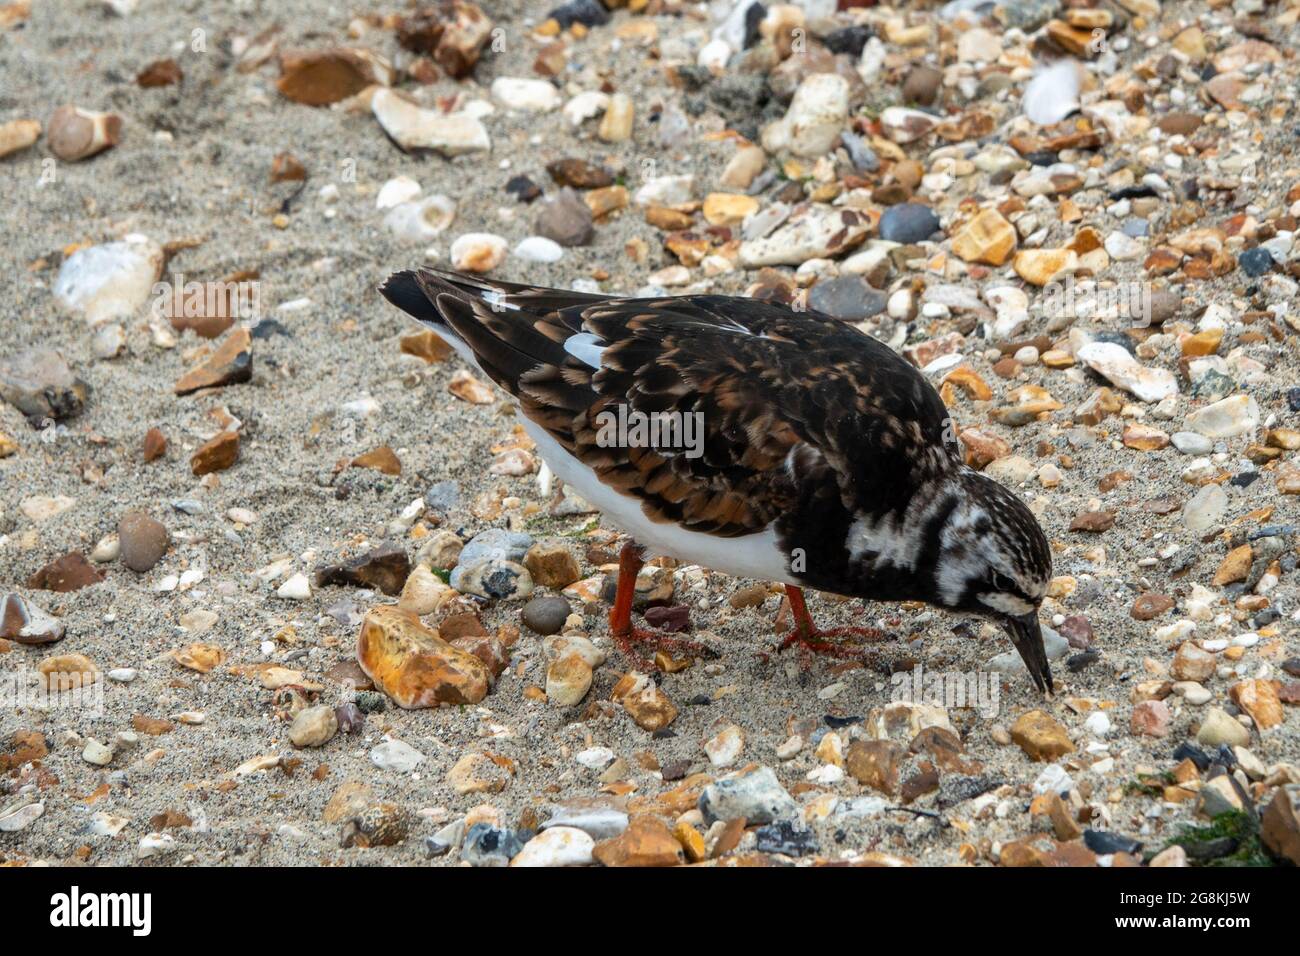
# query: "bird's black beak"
1026,633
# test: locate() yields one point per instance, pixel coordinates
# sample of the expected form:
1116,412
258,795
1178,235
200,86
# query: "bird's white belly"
750,556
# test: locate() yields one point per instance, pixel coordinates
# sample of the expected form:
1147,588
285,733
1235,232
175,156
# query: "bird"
791,447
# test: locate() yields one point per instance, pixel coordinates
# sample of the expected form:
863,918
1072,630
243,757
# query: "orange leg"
620,616
808,636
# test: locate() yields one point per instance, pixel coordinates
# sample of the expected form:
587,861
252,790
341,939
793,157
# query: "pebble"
1121,369
413,665
908,223
533,96
545,614
539,249
811,127
1217,727
74,134
41,385
478,252
755,796
396,756
414,128
557,846
420,220
487,845
313,727
25,623
17,135
142,541
1230,418
564,219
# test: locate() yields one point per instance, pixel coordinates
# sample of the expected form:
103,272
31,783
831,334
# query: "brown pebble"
216,455
72,572
154,445
1149,606
143,540
160,73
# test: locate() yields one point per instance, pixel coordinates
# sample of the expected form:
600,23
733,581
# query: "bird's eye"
1003,583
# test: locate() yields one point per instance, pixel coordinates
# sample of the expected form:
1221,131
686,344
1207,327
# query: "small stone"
378,824
539,249
1279,824
384,568
75,134
230,364
1218,727
818,112
1150,606
1094,522
414,128
1232,417
1041,266
908,223
322,77
411,664
875,764
557,846
1205,509
552,565
396,756
523,93
922,85
469,389
1151,718
849,298
313,727
616,124
987,238
1234,567
724,748
479,773
453,33
565,219
644,702
72,572
67,672
545,615
568,680
216,455
143,541
1041,736
755,796
295,588
420,221
24,622
154,445
1255,262
903,126
1118,365
17,135
489,846
39,383
728,209
1259,699
478,252
1192,664
647,841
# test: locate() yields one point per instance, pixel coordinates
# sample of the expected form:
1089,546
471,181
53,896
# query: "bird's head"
994,560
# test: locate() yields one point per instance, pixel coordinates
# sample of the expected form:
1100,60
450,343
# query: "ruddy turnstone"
752,439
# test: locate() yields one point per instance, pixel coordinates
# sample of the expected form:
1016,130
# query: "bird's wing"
779,399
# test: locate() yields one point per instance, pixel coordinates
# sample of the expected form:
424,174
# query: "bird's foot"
814,641
633,640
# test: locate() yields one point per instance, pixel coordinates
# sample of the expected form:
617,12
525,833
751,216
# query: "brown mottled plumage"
815,437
